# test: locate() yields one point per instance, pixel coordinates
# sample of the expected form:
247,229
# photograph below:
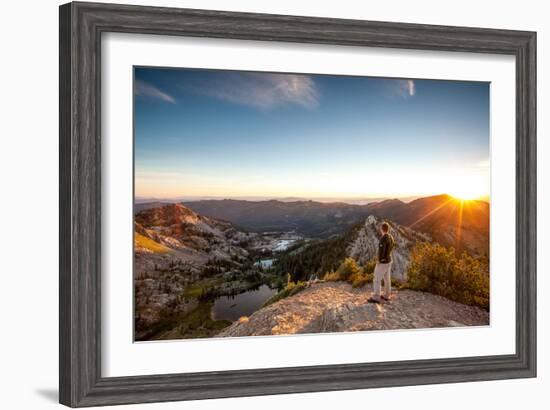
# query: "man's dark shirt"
385,247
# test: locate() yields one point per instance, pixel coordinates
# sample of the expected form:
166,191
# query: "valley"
193,273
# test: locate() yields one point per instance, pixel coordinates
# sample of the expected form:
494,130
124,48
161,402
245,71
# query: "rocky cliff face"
174,234
337,307
365,246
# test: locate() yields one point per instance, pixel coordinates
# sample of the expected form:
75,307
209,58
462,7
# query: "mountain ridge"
461,224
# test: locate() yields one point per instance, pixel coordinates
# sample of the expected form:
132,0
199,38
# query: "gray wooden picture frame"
81,27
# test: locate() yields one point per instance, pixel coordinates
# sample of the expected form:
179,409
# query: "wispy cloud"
148,90
402,88
263,90
411,87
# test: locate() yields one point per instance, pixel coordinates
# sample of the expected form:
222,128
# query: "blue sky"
236,134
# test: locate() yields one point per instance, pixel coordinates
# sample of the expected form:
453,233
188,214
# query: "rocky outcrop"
337,307
365,245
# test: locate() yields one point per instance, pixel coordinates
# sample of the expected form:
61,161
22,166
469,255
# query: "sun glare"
468,187
465,193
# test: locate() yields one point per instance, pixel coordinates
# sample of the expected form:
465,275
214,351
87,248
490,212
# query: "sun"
468,187
465,193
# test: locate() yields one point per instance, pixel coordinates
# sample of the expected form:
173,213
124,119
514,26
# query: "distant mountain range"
462,224
314,219
350,200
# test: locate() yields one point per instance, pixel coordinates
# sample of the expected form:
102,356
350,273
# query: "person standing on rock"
382,270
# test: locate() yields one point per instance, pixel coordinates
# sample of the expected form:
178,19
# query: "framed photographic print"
247,201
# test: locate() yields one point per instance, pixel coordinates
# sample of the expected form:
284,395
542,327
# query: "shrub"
348,268
358,281
332,276
368,269
349,271
397,284
436,269
290,289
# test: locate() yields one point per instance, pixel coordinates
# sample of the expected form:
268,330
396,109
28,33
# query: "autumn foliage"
436,269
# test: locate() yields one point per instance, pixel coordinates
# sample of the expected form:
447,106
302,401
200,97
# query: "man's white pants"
382,271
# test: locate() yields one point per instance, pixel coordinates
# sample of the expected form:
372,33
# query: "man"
383,267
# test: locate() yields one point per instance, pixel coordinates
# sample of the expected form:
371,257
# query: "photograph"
271,203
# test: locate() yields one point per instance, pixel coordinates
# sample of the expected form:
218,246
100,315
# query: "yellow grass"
144,242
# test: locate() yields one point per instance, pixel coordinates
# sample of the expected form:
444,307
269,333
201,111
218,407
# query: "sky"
233,134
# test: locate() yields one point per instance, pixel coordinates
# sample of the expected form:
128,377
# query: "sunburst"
462,204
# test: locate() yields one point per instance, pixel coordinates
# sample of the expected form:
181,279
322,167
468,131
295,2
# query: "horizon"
233,134
350,201
353,201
